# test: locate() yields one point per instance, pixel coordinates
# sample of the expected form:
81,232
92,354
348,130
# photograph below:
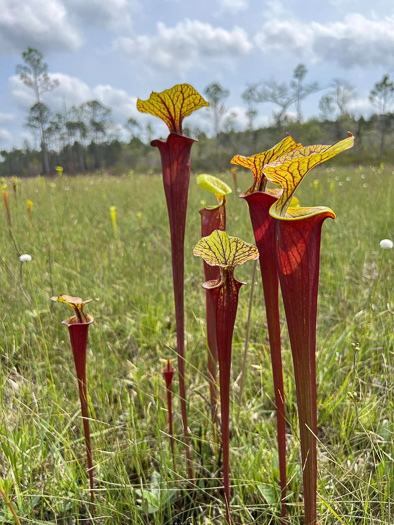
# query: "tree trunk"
382,136
45,158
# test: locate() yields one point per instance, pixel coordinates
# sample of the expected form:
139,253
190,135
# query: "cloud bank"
356,41
188,45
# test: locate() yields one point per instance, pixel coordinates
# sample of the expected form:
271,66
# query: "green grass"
73,249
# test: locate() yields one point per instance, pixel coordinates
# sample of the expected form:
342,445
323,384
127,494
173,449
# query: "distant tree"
34,74
300,90
38,120
78,130
133,126
381,96
326,106
57,132
230,122
251,98
342,93
284,95
216,96
149,132
277,93
98,119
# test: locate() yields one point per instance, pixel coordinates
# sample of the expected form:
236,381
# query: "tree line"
83,138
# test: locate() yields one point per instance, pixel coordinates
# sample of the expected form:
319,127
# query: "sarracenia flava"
297,248
78,327
224,252
212,218
259,200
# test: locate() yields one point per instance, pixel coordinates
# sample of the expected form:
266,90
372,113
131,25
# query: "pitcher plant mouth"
220,250
73,321
289,170
172,106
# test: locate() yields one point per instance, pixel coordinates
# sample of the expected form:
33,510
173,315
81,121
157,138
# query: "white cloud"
341,3
6,139
36,23
58,25
188,45
71,91
355,41
123,105
361,106
233,6
6,118
111,14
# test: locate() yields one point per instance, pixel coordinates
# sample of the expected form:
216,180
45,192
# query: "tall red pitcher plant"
212,218
172,106
297,246
260,199
220,250
78,327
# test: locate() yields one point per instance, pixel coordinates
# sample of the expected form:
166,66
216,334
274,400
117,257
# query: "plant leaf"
289,170
218,249
213,185
173,105
255,163
268,494
157,497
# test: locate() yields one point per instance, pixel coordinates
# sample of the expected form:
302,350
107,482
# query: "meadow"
75,251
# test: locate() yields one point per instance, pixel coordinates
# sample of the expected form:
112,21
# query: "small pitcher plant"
212,218
112,211
15,185
78,327
220,250
29,207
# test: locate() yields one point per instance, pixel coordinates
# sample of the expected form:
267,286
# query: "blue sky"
118,50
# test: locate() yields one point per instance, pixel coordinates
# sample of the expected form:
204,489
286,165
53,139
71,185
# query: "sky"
115,51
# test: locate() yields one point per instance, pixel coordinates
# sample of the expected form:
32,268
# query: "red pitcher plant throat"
212,218
172,106
220,250
259,200
297,241
78,327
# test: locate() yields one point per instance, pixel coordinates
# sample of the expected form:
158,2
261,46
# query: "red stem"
298,255
264,231
85,417
170,425
225,298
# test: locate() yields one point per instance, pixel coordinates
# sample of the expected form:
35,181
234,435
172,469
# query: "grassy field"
74,251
